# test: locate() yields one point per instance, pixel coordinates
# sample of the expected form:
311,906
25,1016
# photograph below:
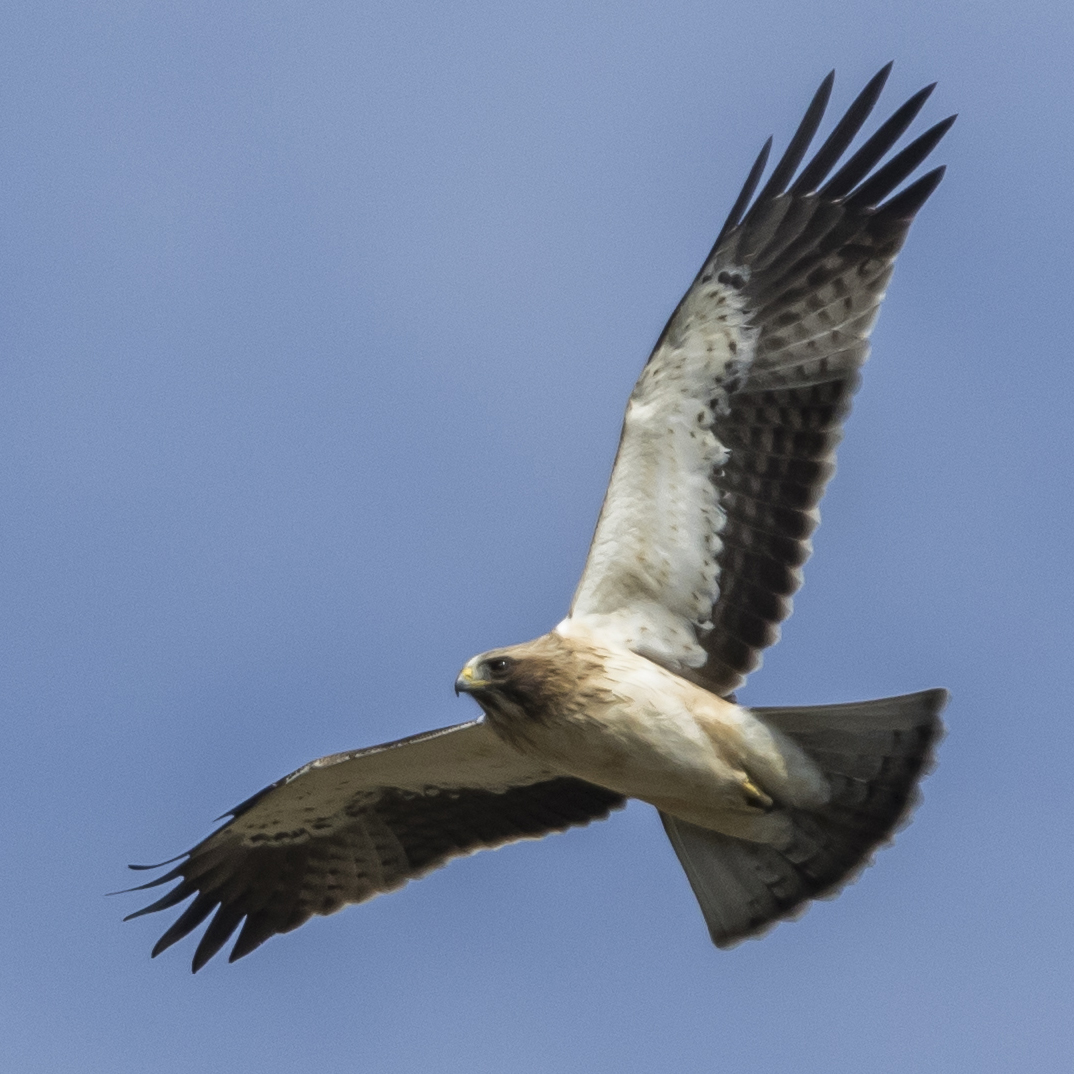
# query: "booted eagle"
728,442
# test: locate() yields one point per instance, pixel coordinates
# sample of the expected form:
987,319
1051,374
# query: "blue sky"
318,323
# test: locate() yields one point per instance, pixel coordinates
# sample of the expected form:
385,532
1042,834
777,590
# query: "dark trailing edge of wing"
811,257
271,887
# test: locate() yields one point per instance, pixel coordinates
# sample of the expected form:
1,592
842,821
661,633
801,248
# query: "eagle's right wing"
730,434
347,827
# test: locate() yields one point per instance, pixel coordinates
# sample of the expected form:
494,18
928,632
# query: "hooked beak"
467,682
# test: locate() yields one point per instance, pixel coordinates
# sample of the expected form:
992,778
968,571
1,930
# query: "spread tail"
873,753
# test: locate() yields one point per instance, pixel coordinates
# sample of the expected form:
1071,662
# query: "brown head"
527,684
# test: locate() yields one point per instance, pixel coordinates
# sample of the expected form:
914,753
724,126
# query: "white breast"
660,738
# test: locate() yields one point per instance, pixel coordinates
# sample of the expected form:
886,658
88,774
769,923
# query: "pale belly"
682,749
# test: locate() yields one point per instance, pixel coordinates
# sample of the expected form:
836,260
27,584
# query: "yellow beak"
467,681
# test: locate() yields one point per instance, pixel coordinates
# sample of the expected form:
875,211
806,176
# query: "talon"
756,796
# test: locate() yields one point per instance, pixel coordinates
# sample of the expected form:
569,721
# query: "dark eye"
499,664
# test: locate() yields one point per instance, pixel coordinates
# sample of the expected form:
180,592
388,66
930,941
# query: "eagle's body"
609,716
727,445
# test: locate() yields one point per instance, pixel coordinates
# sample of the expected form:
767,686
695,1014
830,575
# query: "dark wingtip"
152,908
907,202
734,217
799,143
814,173
172,874
250,938
883,181
875,86
172,898
159,865
876,146
200,959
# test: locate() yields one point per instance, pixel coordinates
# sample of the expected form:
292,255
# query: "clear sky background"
317,325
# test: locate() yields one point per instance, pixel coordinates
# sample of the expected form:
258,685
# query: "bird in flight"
727,445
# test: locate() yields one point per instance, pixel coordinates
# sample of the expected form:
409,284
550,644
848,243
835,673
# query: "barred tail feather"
873,753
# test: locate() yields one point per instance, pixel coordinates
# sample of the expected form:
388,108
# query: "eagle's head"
485,671
518,674
521,685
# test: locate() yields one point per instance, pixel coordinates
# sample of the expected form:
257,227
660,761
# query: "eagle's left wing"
347,827
729,437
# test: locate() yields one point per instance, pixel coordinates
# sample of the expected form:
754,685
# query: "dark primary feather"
812,258
844,133
355,825
792,157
